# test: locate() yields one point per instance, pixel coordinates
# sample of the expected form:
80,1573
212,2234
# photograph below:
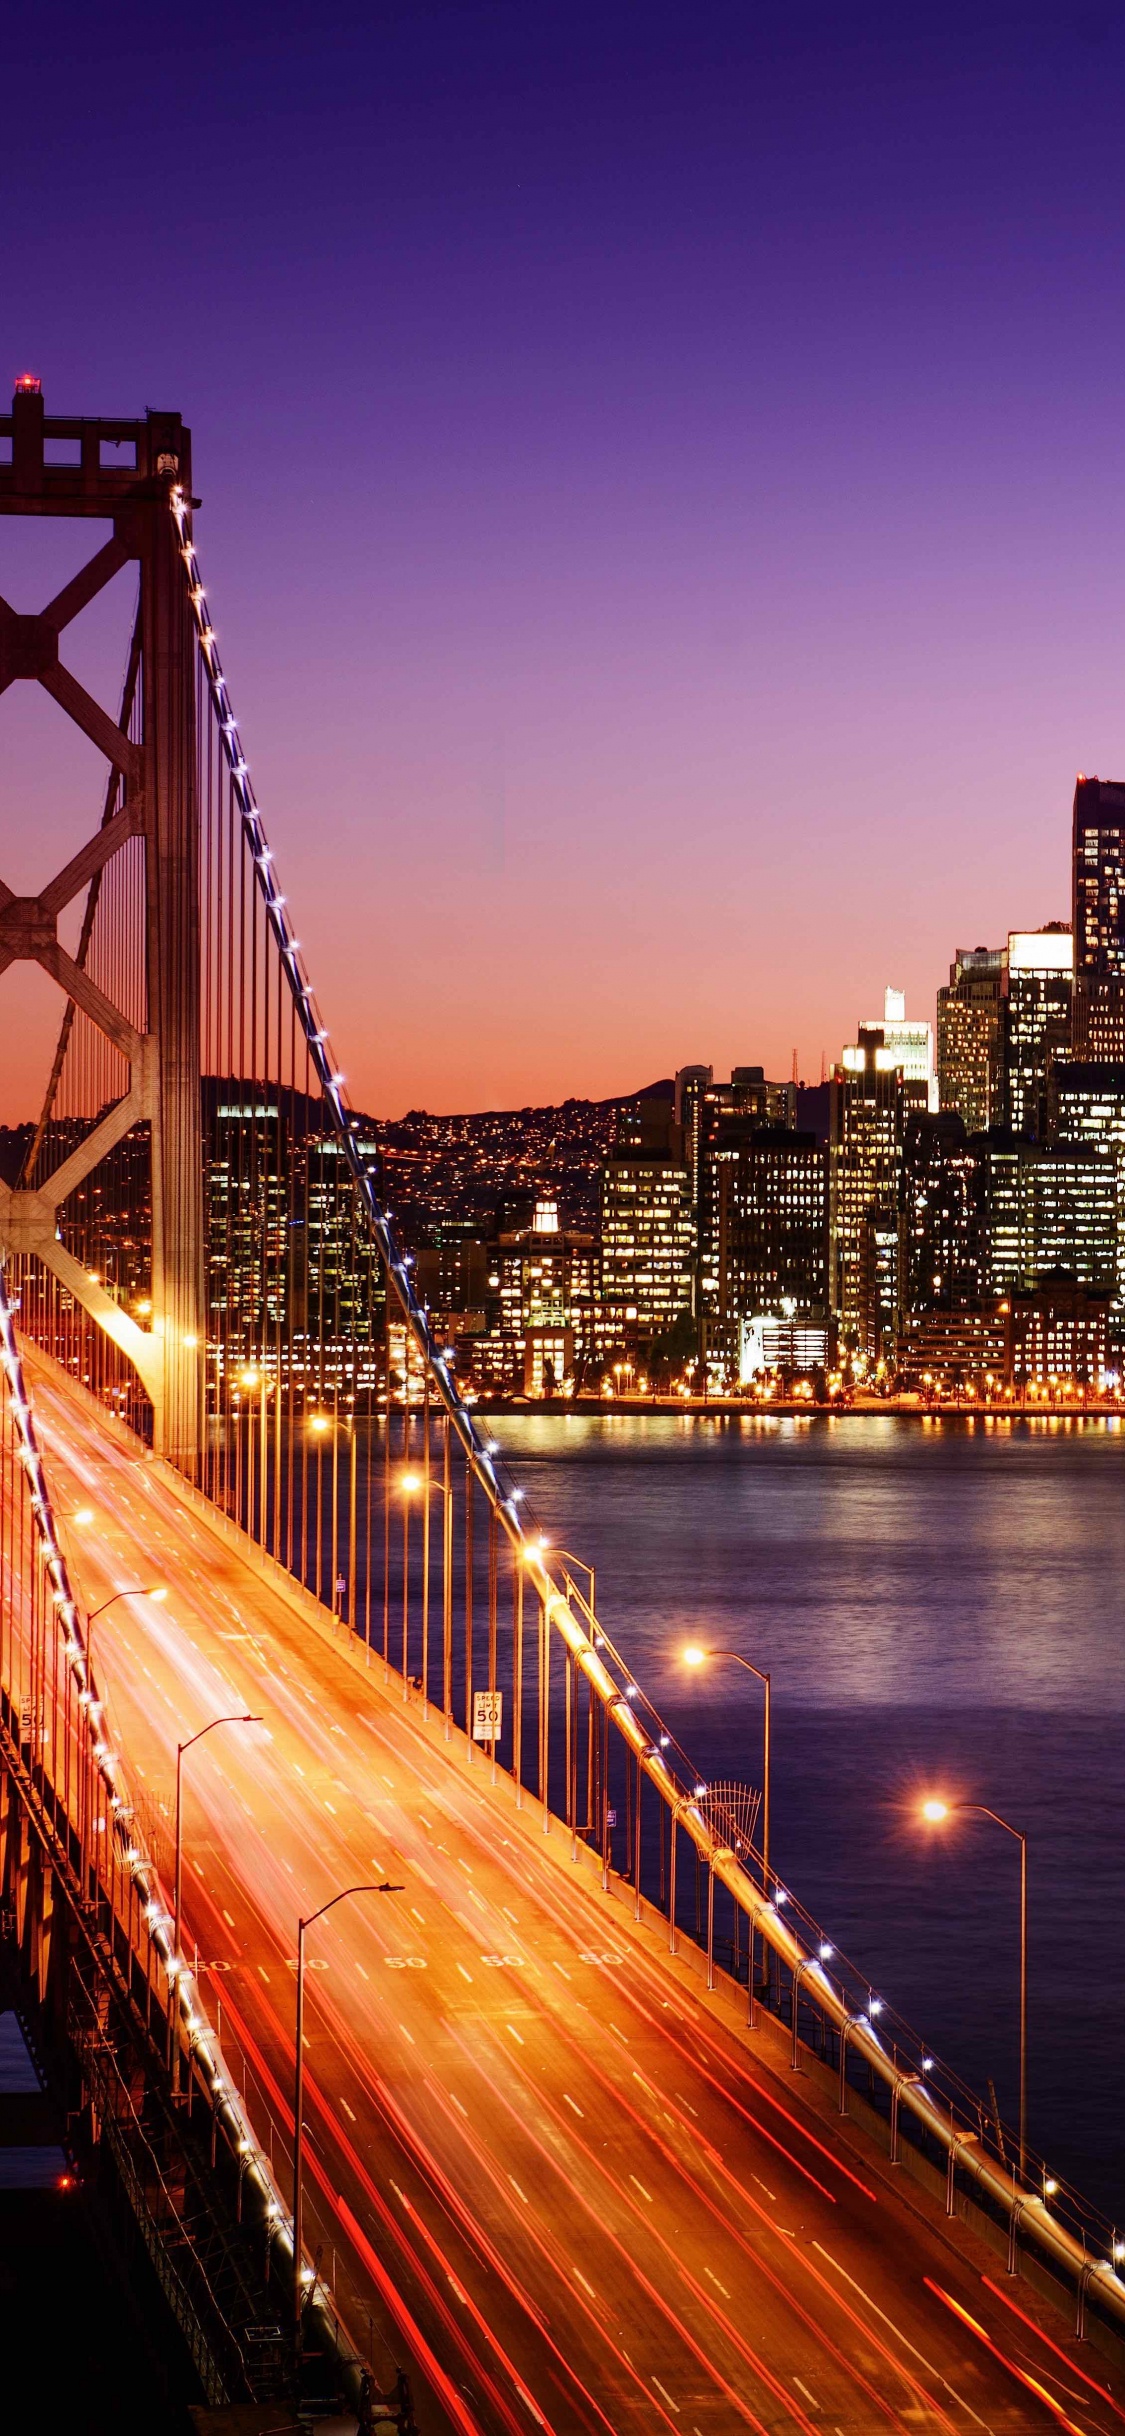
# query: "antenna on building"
824,1065
796,1076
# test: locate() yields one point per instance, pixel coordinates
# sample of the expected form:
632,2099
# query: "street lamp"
694,1656
243,1718
95,1612
935,1812
423,1484
385,1888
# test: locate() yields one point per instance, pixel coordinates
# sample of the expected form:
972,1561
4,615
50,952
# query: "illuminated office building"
1051,1213
542,1285
970,1053
1037,1021
912,1042
868,1106
1098,865
765,1232
648,1236
943,1233
1087,1104
249,1184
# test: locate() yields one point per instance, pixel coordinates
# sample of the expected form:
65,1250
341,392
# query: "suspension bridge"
587,2125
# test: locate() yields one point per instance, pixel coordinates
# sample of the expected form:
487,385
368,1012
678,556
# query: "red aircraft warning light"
28,383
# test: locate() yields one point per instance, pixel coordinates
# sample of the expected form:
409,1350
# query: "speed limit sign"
488,1716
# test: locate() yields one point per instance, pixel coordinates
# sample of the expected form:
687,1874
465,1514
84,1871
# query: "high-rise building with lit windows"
1037,1021
868,1112
648,1235
912,1040
765,1226
1051,1213
970,1053
943,1235
1098,865
1087,1104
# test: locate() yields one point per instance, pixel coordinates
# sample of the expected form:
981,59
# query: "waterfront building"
542,1285
647,1236
1059,1333
1098,868
1037,1021
943,1238
868,1104
912,1041
957,1350
970,1055
781,1341
1050,1212
1087,1104
764,1233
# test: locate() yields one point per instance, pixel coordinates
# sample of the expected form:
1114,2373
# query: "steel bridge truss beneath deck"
300,1386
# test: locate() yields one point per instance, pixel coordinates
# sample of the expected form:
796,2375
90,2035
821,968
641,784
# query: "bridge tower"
120,474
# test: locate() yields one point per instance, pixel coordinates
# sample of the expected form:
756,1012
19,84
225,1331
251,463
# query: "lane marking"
227,1918
519,2194
715,2281
572,2102
1045,2338
579,2278
898,2333
803,2389
641,2188
662,2389
465,1974
1023,2375
347,2110
514,2034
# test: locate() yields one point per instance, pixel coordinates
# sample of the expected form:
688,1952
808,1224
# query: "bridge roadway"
571,2195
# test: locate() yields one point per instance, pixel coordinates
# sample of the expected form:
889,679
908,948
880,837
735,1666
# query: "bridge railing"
70,1817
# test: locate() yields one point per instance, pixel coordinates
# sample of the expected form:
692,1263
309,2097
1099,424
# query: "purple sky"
662,502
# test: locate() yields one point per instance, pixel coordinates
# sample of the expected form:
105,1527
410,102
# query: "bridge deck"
568,2193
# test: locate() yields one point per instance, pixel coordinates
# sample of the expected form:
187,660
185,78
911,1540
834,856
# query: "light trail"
638,2312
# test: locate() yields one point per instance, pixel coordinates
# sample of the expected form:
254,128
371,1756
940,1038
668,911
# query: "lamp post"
422,1484
88,1772
384,1888
142,1593
935,1811
694,1656
242,1718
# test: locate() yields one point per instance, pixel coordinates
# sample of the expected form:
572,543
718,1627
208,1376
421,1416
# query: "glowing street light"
935,1812
694,1656
384,1888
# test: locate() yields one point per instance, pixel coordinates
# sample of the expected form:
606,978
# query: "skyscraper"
868,1105
943,1236
912,1040
1087,1104
765,1221
1098,865
970,1057
1051,1213
1037,1020
647,1234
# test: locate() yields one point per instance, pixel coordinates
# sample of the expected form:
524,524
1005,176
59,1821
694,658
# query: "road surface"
543,2172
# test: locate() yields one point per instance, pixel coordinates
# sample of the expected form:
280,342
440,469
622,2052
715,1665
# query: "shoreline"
902,1408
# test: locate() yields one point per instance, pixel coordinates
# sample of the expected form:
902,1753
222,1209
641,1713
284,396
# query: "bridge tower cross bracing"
121,473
